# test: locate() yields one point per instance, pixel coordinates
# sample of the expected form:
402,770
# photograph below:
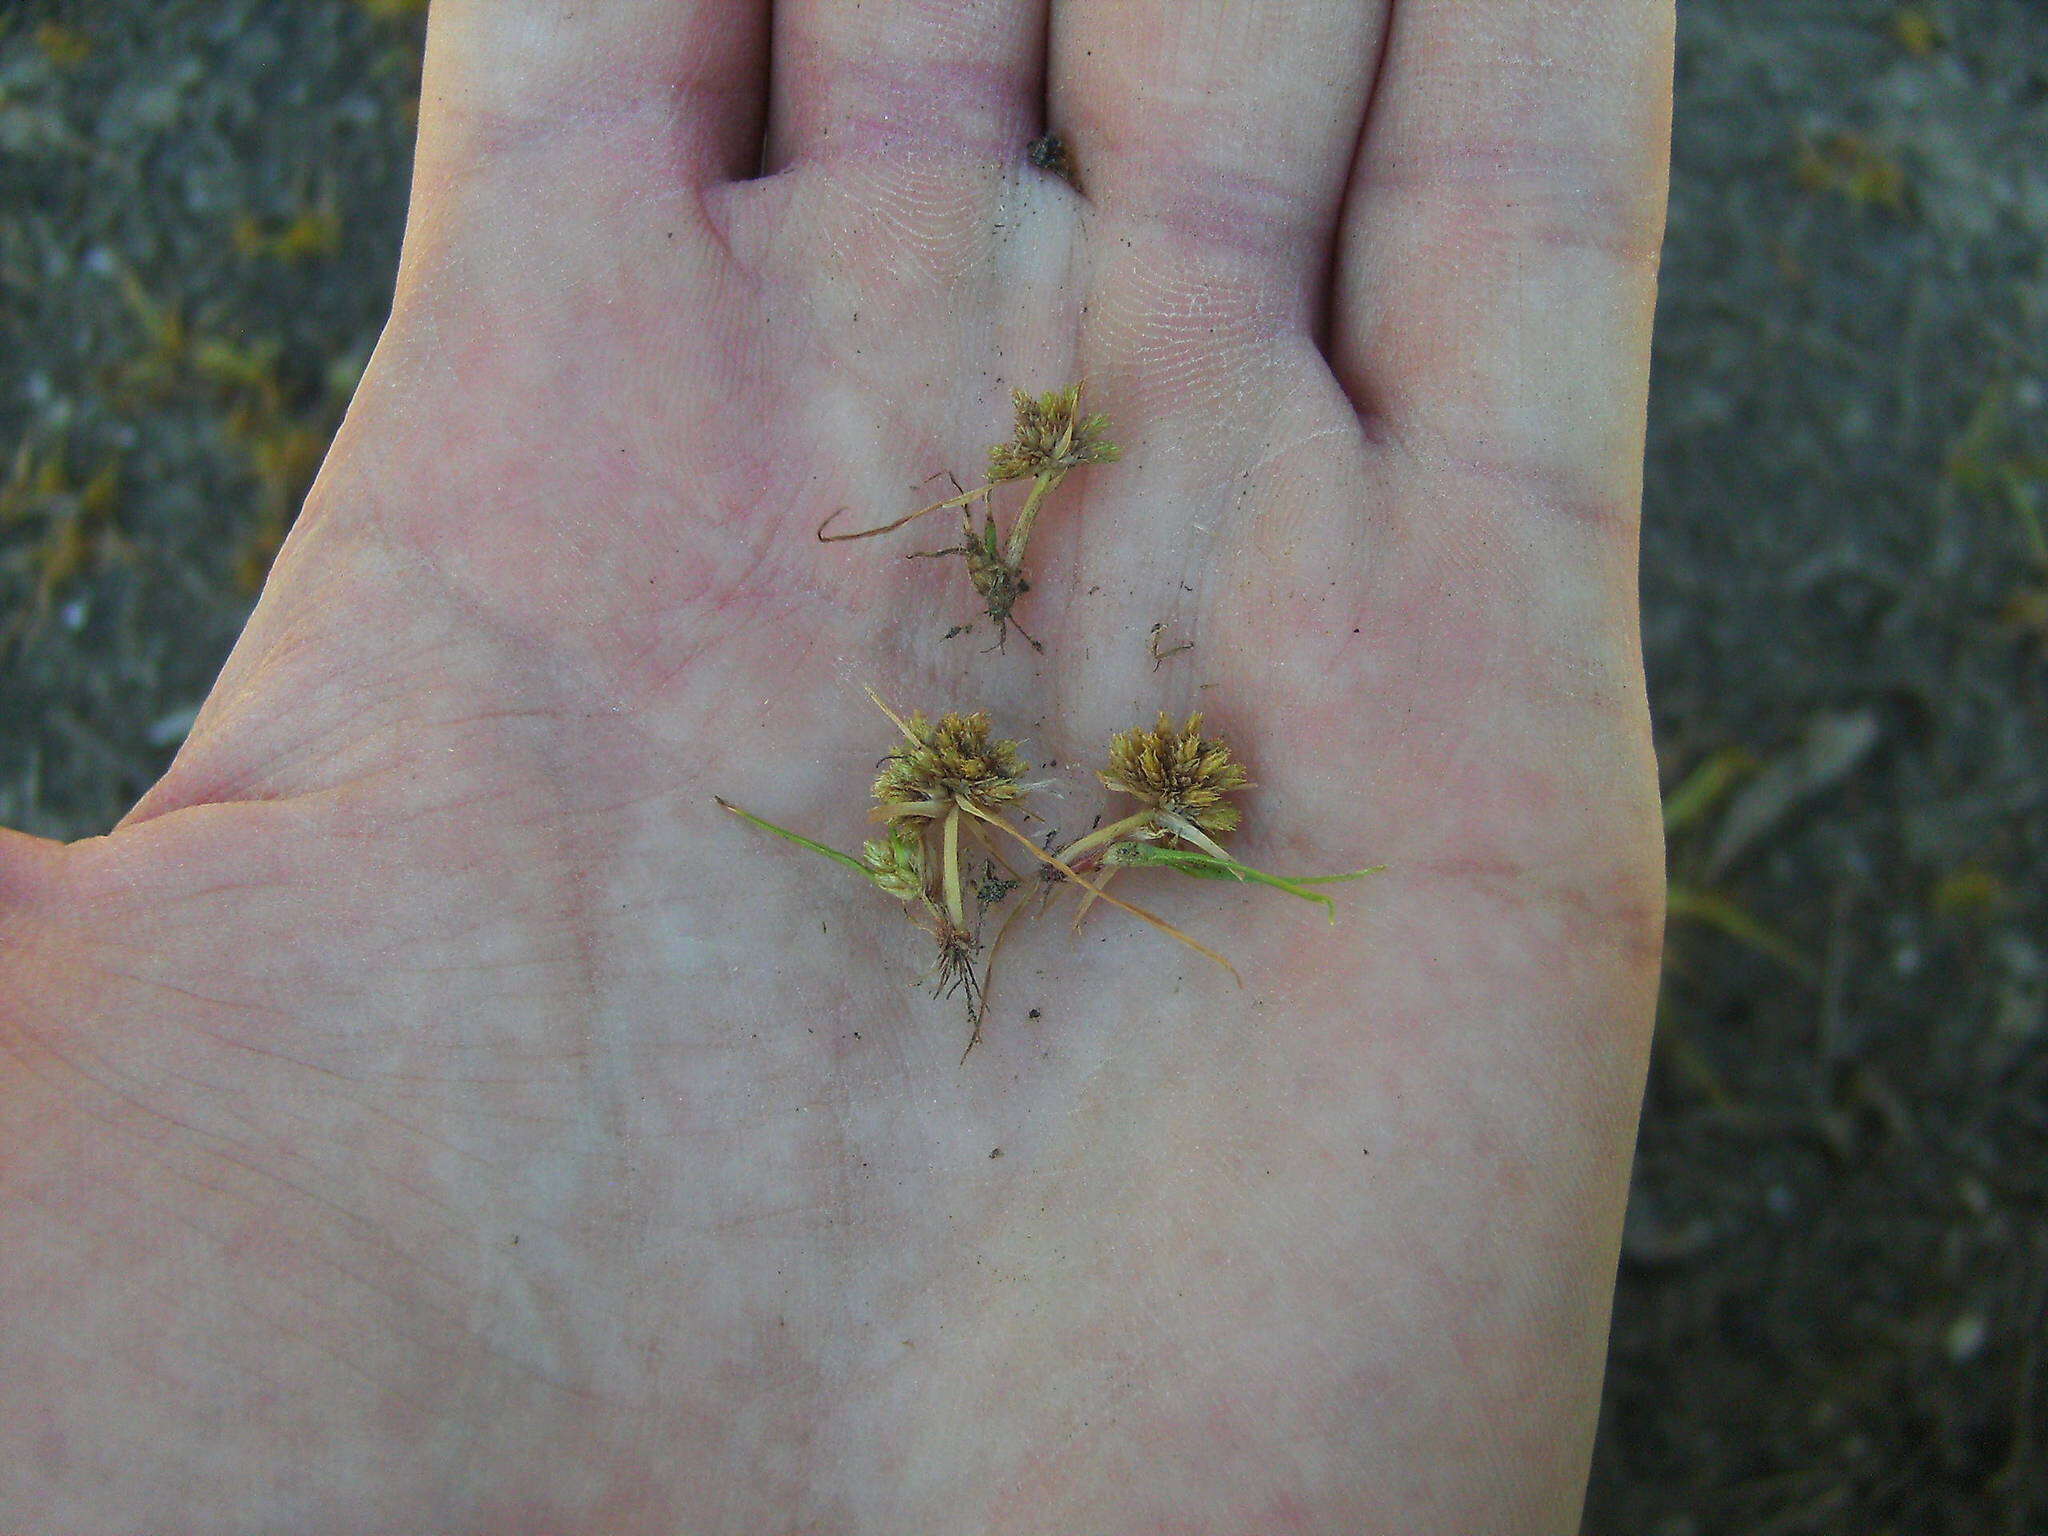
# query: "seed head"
958,758
1052,437
896,863
1178,770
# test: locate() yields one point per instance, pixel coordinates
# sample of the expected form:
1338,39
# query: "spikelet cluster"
958,757
1178,770
1052,437
896,863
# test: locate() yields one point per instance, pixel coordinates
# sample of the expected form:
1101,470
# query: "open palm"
428,1111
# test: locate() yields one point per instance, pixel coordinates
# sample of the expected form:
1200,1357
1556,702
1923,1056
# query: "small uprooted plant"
952,791
951,786
1051,439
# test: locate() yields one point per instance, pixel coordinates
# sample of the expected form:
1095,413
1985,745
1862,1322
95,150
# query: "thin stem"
1020,531
1088,900
937,928
955,907
894,719
800,840
1108,834
868,533
1088,885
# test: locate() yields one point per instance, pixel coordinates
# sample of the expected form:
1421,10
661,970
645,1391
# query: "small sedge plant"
1181,779
951,786
1051,439
953,783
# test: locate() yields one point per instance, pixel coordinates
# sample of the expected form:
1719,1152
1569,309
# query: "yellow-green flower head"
1052,437
896,863
1178,770
960,757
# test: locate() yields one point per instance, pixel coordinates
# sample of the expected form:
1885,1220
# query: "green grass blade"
2020,479
1208,867
1704,788
800,840
1684,903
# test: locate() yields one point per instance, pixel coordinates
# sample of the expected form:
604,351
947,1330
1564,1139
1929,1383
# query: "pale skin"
429,1111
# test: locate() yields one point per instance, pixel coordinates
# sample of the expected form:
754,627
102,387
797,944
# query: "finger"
1496,274
851,80
1214,130
684,79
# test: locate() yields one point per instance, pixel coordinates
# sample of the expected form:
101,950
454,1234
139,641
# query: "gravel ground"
1836,1279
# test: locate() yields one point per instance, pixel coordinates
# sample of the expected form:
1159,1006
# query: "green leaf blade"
800,840
1204,866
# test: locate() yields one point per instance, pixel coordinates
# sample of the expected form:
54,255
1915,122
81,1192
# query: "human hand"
428,1111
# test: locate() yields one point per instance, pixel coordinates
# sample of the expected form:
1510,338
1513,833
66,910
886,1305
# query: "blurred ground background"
1835,1283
